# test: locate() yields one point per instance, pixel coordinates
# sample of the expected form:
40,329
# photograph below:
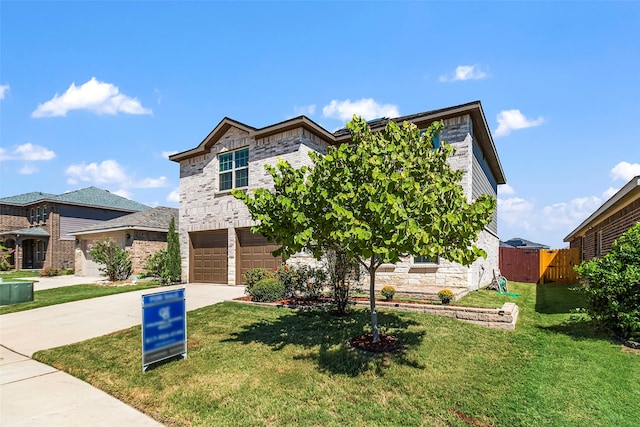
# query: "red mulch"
365,342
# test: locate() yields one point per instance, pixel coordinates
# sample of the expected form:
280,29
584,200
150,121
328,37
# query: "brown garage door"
254,251
209,257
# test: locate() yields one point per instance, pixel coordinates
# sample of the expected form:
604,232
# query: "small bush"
255,275
49,272
388,292
267,290
446,296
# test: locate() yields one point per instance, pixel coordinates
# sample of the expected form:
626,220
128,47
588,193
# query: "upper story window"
38,214
234,169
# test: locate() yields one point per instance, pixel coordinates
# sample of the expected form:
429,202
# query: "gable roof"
227,123
155,219
90,196
624,197
424,119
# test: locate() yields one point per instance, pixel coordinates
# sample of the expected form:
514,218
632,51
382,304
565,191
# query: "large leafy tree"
388,195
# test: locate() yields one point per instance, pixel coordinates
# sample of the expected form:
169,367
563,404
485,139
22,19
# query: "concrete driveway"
34,394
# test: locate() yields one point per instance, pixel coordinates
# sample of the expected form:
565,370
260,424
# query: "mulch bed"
365,342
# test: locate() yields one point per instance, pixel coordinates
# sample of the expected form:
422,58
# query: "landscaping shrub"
255,275
612,286
5,255
388,292
343,277
446,296
116,261
154,265
267,290
49,272
301,280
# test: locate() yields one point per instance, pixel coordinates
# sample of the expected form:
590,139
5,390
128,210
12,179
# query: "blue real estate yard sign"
164,326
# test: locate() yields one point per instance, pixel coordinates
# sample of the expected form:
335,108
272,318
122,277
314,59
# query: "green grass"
18,274
64,294
261,366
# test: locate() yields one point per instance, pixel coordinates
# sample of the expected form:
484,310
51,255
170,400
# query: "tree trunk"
372,300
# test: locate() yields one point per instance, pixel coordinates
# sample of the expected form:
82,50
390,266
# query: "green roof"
26,198
90,196
34,231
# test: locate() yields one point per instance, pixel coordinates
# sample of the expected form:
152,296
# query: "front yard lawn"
262,366
64,294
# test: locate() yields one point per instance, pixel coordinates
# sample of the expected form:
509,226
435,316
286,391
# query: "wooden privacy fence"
539,266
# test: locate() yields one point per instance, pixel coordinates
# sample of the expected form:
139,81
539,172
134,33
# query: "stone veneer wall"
203,207
145,243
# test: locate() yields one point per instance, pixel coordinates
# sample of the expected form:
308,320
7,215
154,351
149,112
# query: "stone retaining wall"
504,317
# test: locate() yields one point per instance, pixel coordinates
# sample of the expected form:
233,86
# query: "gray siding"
483,182
73,218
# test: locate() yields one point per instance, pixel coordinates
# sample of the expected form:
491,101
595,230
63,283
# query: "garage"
208,262
254,251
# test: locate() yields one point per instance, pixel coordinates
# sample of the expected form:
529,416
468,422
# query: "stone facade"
204,208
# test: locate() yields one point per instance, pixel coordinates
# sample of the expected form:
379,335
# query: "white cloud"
111,174
106,172
509,120
505,190
625,171
367,108
166,154
464,72
152,183
123,193
609,192
4,89
28,169
96,96
305,110
28,151
174,196
515,211
566,216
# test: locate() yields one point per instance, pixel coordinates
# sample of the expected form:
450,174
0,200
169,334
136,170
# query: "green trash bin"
15,292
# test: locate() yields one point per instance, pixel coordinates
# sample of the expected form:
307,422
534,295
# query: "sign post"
164,326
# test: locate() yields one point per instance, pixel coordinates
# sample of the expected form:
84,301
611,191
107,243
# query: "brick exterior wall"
609,230
203,207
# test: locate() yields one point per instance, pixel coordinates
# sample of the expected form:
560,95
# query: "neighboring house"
216,243
37,225
141,234
520,243
597,233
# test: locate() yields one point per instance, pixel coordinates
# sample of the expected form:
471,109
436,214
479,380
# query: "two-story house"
38,225
216,243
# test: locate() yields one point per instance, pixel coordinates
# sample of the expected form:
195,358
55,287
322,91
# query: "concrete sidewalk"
32,393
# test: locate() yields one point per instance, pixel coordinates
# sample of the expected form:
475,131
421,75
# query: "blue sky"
99,93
